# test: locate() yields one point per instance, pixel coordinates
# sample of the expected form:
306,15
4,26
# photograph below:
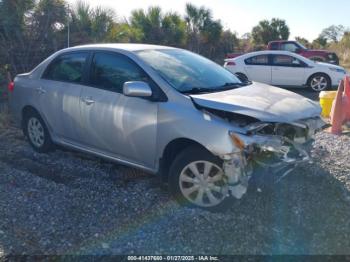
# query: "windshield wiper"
198,90
228,86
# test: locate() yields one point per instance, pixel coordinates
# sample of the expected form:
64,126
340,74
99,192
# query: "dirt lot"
71,203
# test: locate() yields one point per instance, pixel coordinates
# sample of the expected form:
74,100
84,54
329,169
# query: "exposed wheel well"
171,151
319,73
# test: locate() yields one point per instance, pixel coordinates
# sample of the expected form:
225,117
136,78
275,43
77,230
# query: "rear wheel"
37,133
197,179
319,82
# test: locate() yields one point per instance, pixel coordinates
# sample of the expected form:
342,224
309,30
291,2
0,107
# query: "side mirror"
298,50
137,89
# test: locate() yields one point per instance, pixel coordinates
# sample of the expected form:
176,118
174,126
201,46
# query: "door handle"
88,101
40,90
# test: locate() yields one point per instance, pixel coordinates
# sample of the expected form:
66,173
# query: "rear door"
59,94
115,124
287,70
258,68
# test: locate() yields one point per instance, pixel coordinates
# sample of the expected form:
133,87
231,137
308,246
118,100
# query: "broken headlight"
295,132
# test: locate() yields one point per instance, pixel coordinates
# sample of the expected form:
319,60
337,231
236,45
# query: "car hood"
263,102
318,51
329,65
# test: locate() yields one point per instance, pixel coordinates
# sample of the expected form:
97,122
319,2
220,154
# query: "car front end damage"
268,148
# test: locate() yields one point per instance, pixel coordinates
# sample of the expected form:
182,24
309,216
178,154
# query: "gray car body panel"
264,102
141,138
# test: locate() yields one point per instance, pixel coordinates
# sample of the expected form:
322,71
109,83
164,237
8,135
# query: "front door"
115,124
287,71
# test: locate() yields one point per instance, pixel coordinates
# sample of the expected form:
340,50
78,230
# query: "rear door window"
257,60
67,68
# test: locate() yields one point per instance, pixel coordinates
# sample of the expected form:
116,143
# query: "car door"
59,94
287,70
258,68
115,124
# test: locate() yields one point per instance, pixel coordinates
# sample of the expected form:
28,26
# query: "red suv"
296,47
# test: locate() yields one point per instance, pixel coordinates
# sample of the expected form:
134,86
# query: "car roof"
120,46
280,41
270,52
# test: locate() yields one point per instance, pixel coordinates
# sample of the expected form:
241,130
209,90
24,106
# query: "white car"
285,69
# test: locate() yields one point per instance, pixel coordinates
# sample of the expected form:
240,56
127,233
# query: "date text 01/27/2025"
173,258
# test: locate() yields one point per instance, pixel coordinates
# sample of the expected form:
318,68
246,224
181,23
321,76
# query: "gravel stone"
66,202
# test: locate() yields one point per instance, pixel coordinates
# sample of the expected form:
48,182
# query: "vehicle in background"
167,111
285,69
296,47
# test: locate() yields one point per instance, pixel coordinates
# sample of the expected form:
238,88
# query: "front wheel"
197,179
319,82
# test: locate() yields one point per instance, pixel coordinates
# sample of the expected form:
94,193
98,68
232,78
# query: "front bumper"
275,154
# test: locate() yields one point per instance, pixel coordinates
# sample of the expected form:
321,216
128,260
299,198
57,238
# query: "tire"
242,77
319,82
183,180
37,133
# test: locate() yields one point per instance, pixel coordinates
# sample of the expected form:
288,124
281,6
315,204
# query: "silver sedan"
167,111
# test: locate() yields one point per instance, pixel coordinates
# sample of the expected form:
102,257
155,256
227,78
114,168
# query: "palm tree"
157,28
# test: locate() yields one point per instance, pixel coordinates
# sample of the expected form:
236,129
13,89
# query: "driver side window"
110,72
286,60
291,47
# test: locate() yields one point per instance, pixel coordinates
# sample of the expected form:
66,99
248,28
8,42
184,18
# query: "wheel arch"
27,110
171,150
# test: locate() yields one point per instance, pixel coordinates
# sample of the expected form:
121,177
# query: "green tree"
90,24
174,30
267,31
47,26
13,33
157,28
319,42
195,19
203,32
124,33
149,23
333,33
303,41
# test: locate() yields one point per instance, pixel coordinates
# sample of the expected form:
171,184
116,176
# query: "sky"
305,18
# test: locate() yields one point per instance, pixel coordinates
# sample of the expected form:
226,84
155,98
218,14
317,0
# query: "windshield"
302,46
188,72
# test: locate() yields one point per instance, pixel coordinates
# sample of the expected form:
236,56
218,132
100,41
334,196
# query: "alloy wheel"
203,183
319,83
36,132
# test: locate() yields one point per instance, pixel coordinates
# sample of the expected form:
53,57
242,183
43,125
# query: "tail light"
231,63
11,86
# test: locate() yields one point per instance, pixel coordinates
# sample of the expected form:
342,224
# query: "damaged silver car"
169,112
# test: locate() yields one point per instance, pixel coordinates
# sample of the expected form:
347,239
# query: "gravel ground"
71,203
